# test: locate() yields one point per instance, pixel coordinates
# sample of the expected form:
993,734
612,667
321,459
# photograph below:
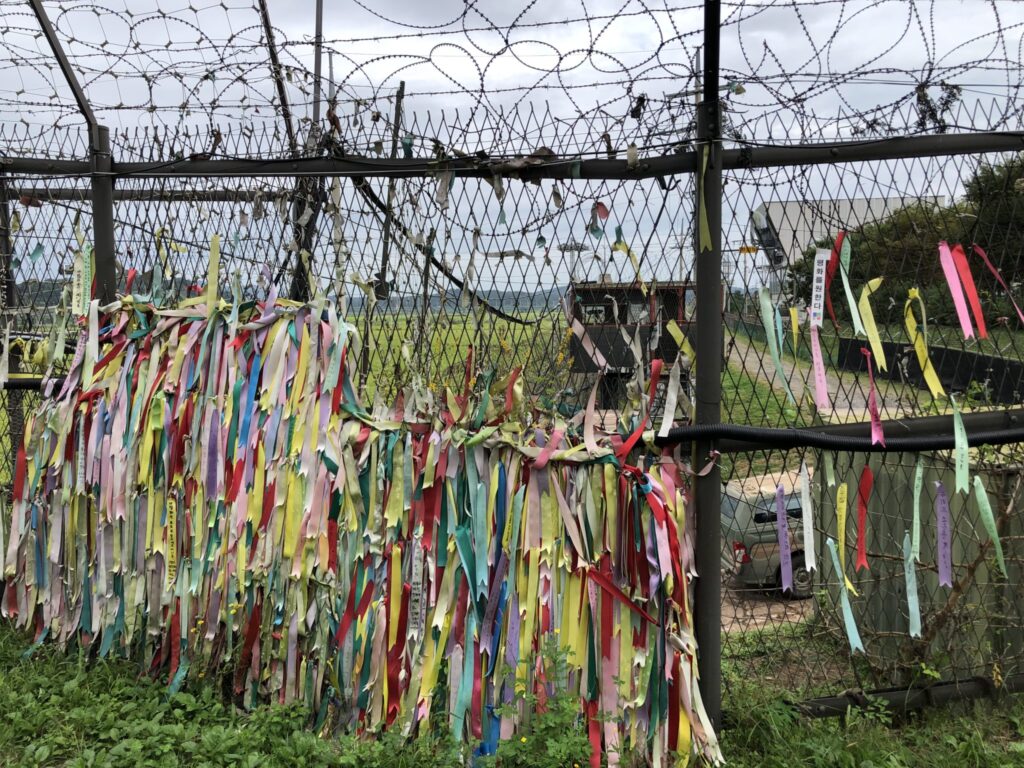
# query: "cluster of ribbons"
206,491
828,264
836,261
911,546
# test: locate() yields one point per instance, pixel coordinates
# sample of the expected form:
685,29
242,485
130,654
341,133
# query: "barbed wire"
601,76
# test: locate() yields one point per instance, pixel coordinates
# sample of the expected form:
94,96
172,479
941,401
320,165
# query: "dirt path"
848,392
746,609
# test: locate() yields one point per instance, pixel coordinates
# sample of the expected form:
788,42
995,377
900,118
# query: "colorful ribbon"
821,397
208,492
999,277
852,634
918,337
963,269
867,481
767,319
910,578
944,540
877,436
868,317
988,520
807,510
841,507
960,450
918,487
955,289
830,274
844,272
785,551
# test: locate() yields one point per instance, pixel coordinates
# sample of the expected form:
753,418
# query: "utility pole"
707,615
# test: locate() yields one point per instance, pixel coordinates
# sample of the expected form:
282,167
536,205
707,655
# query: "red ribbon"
251,633
351,611
593,732
877,436
19,475
963,269
603,580
995,271
627,446
867,479
830,273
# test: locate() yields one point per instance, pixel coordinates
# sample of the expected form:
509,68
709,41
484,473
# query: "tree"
903,249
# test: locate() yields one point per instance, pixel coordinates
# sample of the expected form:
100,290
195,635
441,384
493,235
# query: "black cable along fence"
472,215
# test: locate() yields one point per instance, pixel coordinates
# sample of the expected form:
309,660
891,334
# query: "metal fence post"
9,297
708,396
103,214
100,167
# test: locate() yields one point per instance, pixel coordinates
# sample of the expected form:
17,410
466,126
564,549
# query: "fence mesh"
431,267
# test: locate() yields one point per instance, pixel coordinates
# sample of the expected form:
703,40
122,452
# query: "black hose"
764,437
31,384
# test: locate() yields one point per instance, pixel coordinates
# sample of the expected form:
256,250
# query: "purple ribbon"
945,544
785,555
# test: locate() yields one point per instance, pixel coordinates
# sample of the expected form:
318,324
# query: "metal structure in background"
473,195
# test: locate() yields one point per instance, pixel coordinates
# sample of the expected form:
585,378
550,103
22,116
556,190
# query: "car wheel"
803,580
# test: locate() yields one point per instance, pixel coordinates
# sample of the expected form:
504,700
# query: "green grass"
765,731
438,349
61,709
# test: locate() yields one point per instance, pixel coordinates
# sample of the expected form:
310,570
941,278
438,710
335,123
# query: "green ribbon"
768,319
910,575
989,521
852,635
844,271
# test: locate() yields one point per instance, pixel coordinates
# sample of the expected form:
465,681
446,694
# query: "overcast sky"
151,63
164,54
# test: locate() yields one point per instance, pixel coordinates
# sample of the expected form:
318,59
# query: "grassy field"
65,710
436,350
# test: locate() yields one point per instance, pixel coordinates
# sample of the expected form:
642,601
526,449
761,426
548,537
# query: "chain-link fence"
514,237
893,215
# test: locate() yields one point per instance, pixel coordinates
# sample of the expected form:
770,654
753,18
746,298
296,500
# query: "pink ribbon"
552,445
877,438
967,279
820,385
955,289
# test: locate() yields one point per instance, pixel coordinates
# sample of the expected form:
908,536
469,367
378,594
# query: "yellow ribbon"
682,342
172,539
920,341
212,275
794,319
868,319
841,495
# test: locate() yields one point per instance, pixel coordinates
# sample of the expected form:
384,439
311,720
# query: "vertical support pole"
102,180
708,396
8,295
318,53
103,214
380,282
7,292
